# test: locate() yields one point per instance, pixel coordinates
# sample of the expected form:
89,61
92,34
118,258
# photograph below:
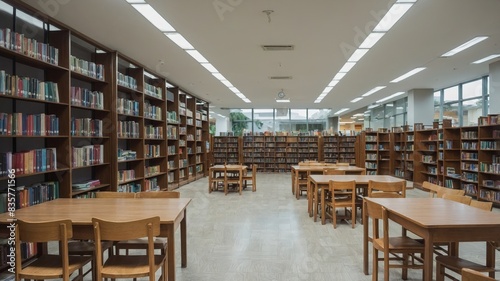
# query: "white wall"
420,106
494,88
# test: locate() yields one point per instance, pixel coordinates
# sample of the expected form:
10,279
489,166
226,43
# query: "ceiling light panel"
209,67
465,46
356,99
357,55
347,66
372,91
154,17
393,15
342,110
487,58
371,40
408,74
178,39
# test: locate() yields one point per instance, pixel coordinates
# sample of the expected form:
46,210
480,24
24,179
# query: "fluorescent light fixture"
327,89
374,90
350,122
339,76
246,100
178,39
136,1
390,97
393,15
342,110
408,74
357,55
487,58
209,67
333,83
240,95
353,117
168,85
150,75
358,114
283,100
406,1
371,40
154,17
356,99
221,115
227,83
347,66
464,46
197,56
234,90
389,105
318,100
219,76
373,106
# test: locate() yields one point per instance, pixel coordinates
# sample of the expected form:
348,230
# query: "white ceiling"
324,33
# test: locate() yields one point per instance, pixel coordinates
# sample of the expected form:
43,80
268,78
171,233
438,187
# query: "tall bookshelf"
202,138
331,149
173,142
399,153
409,146
469,145
292,151
248,152
370,140
308,148
426,155
489,158
449,157
347,151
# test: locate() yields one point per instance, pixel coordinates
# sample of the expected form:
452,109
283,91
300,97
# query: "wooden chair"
473,275
403,249
129,266
301,182
215,180
481,205
458,198
251,177
112,194
378,189
343,195
87,248
235,179
48,266
431,188
160,243
457,265
450,191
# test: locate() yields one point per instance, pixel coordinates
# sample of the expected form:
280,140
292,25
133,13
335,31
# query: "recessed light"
357,55
356,99
376,89
154,17
490,57
392,16
178,39
465,46
408,74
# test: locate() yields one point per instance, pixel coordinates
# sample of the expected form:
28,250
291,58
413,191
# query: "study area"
249,140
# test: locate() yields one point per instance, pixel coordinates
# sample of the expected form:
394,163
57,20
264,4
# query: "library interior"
249,140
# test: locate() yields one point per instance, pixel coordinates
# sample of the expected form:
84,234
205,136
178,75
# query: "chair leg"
334,217
439,272
375,265
386,266
404,273
353,216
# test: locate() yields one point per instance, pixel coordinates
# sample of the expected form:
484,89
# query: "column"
494,88
420,106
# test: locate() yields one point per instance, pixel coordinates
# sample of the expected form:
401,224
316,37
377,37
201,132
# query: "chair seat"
85,248
50,266
129,266
400,243
457,264
142,243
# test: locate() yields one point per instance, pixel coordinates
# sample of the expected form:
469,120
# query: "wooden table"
221,168
172,213
318,182
297,169
439,220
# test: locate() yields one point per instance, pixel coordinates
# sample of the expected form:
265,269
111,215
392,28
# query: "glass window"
401,106
450,111
472,110
265,117
437,113
451,94
472,89
437,98
241,121
317,119
298,120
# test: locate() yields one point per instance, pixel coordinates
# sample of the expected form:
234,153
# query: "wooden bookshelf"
488,178
174,144
330,149
347,151
398,137
369,152
469,144
292,151
426,155
202,138
449,157
308,148
409,154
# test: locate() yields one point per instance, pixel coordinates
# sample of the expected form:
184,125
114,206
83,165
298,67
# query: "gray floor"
268,236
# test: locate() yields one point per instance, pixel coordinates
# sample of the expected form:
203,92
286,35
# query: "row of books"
87,98
152,170
493,168
469,156
469,145
28,87
28,162
19,43
129,107
87,68
171,132
87,155
26,196
151,184
152,111
172,117
126,175
151,132
171,150
28,249
492,183
85,185
86,127
153,91
152,150
129,187
21,124
125,154
492,145
128,129
491,119
469,135
171,165
126,81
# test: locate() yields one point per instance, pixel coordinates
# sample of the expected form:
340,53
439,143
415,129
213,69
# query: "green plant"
239,122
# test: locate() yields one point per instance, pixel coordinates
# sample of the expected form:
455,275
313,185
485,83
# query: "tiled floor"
268,236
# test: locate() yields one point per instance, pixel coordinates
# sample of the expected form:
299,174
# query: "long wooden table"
440,220
298,169
172,213
318,182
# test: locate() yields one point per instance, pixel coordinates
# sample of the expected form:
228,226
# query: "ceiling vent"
280,77
277,47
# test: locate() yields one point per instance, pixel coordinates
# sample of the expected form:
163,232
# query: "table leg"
171,252
293,181
210,181
365,240
428,257
184,241
310,199
314,203
490,257
323,214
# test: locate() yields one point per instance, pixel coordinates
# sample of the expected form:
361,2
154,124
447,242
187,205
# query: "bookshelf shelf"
130,181
83,77
22,58
97,187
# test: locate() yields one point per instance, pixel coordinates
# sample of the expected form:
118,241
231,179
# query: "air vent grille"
277,47
280,77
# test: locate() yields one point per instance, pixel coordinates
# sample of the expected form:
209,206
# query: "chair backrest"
487,206
450,191
431,187
382,189
345,187
458,198
333,171
376,212
239,171
159,194
125,230
472,275
112,194
41,232
342,164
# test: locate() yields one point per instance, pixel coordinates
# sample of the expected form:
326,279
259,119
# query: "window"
317,119
451,94
450,111
472,89
472,110
298,120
